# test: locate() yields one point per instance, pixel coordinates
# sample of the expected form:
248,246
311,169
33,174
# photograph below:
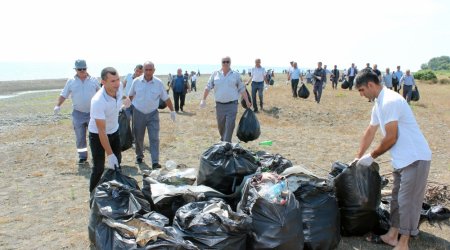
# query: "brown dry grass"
44,195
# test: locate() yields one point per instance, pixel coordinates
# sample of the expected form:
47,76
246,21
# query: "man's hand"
248,103
202,104
173,115
366,160
126,102
113,163
355,161
56,110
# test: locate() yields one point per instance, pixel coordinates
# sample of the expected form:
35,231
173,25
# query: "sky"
386,32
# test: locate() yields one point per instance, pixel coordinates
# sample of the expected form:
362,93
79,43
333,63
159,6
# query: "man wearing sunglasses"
228,86
82,87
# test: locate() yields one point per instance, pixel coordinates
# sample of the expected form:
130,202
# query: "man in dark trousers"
334,77
319,76
179,87
351,73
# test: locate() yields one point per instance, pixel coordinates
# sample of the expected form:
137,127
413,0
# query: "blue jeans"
257,87
80,121
318,86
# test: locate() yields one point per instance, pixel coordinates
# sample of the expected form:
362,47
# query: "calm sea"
32,71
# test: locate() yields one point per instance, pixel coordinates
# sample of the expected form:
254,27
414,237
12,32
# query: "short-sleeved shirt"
105,107
294,73
258,74
146,94
193,78
407,80
387,80
227,88
81,92
411,145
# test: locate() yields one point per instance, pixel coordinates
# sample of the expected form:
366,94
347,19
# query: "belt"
232,102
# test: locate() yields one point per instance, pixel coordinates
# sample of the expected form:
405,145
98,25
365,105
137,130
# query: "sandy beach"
44,193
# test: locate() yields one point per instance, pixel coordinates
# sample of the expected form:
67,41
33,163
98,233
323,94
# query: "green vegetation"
437,63
425,75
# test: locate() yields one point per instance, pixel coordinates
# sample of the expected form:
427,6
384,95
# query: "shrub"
444,81
425,75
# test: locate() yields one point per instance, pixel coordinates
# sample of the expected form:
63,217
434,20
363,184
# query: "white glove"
366,160
126,103
202,104
173,115
112,162
56,110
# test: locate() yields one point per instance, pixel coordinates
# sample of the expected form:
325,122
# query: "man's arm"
366,140
101,126
61,99
388,141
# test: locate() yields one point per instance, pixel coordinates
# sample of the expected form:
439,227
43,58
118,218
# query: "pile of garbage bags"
240,199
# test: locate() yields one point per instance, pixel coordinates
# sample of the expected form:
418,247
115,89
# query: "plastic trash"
266,143
274,225
171,165
274,163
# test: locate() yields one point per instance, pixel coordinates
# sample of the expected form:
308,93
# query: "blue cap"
80,64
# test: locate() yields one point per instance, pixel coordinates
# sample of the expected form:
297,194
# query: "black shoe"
82,161
139,161
256,111
156,165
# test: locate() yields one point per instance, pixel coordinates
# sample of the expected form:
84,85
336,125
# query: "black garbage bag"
358,190
168,199
303,92
384,219
213,225
345,84
274,225
248,128
224,165
435,214
273,163
162,104
320,211
138,233
243,104
126,138
116,197
415,95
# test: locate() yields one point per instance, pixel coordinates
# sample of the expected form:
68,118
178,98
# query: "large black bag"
224,165
138,233
303,92
126,138
273,163
345,84
358,190
415,96
213,225
320,211
117,197
248,128
274,226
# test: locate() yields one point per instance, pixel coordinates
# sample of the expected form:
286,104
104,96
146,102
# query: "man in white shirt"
194,81
295,76
138,70
104,125
408,84
411,156
145,93
228,86
258,78
82,87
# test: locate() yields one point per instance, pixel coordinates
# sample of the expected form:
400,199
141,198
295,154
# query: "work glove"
202,104
56,110
366,160
173,115
113,163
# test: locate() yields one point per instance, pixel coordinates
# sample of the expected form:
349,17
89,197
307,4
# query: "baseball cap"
80,64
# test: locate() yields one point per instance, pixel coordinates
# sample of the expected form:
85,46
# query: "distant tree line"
437,63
